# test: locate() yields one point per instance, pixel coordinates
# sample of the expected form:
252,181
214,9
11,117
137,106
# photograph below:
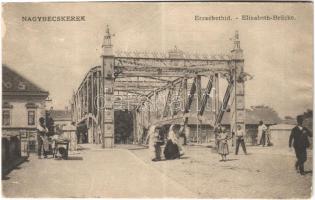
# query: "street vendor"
59,151
42,138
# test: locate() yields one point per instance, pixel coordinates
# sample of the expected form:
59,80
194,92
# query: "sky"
57,55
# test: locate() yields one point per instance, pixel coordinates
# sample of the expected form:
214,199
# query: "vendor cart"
61,147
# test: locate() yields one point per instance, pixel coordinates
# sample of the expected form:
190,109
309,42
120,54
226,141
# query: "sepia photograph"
157,100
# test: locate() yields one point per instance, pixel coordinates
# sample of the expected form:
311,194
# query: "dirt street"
127,171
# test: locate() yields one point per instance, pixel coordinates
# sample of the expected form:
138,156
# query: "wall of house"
280,137
19,113
62,122
205,134
200,133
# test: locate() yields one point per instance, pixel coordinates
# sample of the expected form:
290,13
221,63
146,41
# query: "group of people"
222,137
298,139
264,135
47,136
173,140
177,136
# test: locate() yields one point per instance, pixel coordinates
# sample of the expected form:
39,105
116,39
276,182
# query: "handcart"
61,147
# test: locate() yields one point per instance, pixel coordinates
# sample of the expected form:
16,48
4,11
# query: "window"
31,117
6,118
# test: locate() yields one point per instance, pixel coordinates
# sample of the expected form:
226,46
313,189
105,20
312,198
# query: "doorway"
123,130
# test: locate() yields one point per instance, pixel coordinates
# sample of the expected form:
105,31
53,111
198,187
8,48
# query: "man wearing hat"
299,135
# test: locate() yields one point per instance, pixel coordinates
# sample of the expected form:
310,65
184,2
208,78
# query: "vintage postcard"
157,100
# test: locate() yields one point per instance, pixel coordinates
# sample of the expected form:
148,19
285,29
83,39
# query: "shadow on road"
230,159
137,148
308,172
13,165
75,158
80,148
70,158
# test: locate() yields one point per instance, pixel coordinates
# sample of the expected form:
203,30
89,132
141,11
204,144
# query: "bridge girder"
118,76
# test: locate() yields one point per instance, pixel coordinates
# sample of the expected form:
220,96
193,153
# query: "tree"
308,113
308,119
263,112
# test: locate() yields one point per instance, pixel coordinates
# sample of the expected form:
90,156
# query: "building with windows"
61,117
202,131
23,102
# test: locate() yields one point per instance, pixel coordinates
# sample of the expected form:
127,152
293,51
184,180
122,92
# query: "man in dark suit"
299,136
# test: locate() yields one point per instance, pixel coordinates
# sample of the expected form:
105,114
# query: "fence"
11,152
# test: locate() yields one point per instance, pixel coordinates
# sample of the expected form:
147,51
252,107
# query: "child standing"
223,149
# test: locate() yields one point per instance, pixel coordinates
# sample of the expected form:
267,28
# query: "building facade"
23,102
61,117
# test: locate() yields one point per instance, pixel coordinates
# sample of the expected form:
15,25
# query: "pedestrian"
299,135
240,134
184,131
217,132
42,138
50,124
179,138
180,133
268,136
160,141
171,150
223,144
154,146
261,135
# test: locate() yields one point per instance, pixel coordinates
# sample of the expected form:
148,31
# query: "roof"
14,83
282,127
289,121
191,121
60,115
252,116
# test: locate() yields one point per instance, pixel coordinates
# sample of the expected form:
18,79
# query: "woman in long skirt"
152,137
223,149
171,150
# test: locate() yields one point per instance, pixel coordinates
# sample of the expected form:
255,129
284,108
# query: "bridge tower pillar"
238,92
107,83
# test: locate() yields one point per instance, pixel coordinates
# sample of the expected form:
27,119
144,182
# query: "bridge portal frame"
98,92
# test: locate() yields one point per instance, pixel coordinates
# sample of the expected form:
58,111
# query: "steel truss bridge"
157,88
